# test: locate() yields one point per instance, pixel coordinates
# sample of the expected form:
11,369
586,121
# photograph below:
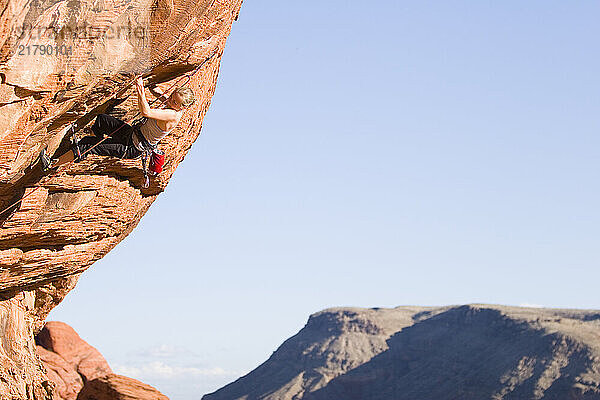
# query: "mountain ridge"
468,351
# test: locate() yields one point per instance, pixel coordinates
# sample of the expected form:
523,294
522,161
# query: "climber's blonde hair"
187,96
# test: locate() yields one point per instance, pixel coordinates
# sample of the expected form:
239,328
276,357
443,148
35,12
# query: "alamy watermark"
59,41
114,47
82,31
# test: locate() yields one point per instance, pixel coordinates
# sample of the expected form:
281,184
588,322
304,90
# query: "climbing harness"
152,158
156,157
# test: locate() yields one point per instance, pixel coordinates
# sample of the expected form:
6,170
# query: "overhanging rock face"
67,61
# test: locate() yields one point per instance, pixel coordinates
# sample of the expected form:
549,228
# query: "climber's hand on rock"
139,83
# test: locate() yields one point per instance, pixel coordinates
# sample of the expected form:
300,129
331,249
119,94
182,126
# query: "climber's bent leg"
108,125
118,146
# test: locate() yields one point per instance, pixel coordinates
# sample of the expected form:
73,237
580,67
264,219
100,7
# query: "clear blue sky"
362,154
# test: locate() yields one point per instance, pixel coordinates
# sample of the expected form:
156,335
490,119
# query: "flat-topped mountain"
459,352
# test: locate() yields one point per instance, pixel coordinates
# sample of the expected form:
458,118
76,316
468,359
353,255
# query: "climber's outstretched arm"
146,110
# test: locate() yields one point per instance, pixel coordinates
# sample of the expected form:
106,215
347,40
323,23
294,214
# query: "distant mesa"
469,352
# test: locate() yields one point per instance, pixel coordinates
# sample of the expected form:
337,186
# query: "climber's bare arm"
148,112
161,115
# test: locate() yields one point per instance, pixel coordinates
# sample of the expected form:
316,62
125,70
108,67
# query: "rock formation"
69,360
467,352
118,387
65,61
80,372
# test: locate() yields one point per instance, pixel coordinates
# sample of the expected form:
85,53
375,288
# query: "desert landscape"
360,157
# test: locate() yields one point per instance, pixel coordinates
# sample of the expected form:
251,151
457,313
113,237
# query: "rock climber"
127,141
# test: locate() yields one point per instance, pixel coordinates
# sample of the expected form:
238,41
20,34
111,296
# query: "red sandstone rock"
118,387
68,381
79,371
73,218
62,340
21,374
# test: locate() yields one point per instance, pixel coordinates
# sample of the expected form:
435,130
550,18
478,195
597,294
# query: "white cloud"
160,370
163,351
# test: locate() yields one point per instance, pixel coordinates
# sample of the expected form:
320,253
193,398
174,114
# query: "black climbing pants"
119,144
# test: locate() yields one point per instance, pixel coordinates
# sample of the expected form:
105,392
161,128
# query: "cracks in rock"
43,241
48,277
167,72
11,102
8,294
11,193
33,248
14,275
133,179
22,92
